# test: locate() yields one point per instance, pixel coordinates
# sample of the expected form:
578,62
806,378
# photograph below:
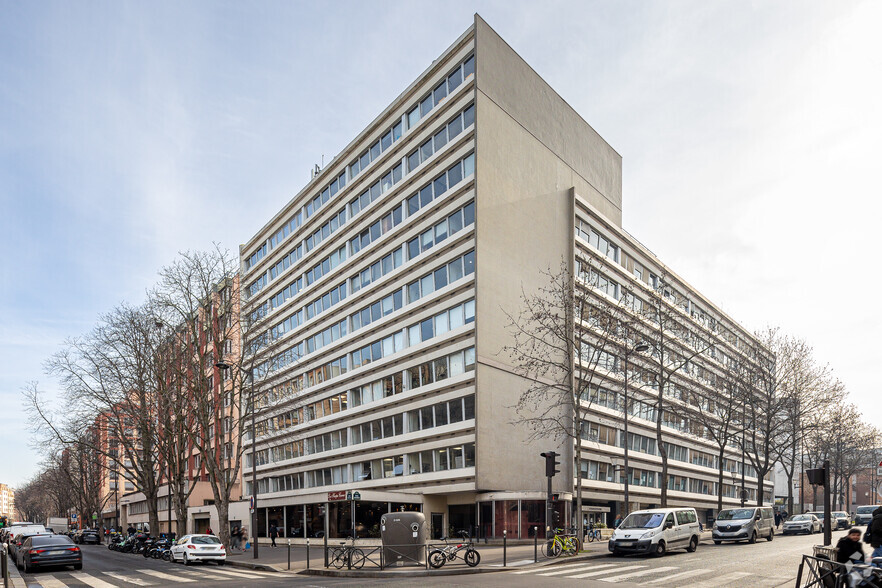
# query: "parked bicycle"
593,534
348,556
440,555
563,543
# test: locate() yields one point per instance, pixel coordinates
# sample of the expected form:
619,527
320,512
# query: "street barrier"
822,572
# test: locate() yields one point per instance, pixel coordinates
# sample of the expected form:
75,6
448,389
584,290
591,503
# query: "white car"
802,523
192,548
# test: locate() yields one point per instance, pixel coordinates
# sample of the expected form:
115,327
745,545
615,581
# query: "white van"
656,531
744,524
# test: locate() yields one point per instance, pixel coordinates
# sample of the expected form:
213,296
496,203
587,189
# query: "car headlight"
647,535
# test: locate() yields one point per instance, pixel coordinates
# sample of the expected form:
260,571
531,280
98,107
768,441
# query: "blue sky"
129,131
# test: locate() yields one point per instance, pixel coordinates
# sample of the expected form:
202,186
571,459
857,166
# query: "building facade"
7,501
386,285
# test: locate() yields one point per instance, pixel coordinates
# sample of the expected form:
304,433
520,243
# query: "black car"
87,536
15,546
48,550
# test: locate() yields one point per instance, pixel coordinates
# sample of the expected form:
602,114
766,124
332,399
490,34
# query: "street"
762,565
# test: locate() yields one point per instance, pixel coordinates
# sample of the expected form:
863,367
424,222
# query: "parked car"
864,514
820,515
7,531
656,531
744,524
13,537
193,548
84,536
840,520
15,545
802,523
49,550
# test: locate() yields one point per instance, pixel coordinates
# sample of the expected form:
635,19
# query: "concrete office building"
385,284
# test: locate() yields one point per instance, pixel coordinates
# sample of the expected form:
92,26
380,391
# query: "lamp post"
639,348
250,373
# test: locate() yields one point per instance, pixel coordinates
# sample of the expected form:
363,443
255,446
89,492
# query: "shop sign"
336,495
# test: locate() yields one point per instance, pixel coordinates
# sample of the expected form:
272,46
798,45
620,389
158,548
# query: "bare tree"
107,380
676,342
563,342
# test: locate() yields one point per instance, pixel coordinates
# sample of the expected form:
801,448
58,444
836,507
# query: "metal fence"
350,555
821,572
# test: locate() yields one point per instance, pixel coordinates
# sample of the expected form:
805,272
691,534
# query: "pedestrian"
130,530
777,519
618,521
235,537
244,532
850,547
208,531
274,532
875,531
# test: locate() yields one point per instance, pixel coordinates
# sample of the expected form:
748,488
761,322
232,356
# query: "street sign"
879,471
73,516
336,495
94,517
356,495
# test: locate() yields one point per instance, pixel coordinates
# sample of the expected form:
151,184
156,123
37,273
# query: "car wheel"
184,559
693,544
660,549
771,536
717,542
752,538
78,566
616,554
24,567
221,562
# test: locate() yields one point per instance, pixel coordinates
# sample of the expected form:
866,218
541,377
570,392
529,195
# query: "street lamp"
638,348
222,365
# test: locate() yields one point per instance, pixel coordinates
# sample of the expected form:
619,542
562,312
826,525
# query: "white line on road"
249,574
513,564
129,579
163,576
51,582
542,569
720,580
636,574
680,576
589,574
579,568
92,580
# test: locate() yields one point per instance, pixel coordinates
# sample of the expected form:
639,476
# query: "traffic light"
555,497
3,521
555,515
551,463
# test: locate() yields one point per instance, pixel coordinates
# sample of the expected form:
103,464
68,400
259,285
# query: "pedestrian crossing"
643,573
141,577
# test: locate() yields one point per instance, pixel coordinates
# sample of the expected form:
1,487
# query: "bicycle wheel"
337,558
356,558
553,548
569,546
578,544
437,558
472,558
590,536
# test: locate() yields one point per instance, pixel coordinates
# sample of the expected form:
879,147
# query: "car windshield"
866,509
801,518
820,515
206,540
735,514
643,520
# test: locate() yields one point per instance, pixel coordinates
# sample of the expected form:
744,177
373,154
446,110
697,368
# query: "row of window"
427,373
447,133
387,138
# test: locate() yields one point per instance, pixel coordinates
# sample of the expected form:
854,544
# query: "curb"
390,573
16,581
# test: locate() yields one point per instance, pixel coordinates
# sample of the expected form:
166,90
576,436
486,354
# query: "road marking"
680,576
249,574
129,579
513,564
163,576
51,582
579,568
589,574
720,580
92,580
198,575
636,574
542,569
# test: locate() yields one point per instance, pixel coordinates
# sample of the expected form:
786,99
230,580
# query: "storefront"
520,515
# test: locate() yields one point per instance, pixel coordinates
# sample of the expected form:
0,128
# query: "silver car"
744,524
864,514
802,523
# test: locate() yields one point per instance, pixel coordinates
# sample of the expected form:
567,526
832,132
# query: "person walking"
208,531
777,519
617,522
274,532
875,530
234,538
850,547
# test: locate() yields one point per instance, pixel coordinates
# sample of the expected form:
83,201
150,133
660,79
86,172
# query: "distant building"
385,283
7,501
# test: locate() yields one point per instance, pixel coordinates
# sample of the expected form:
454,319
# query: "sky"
750,133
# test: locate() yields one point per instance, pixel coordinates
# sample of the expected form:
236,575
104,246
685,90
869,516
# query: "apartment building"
385,287
7,501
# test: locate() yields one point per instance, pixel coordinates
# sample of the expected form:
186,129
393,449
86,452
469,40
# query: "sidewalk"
15,579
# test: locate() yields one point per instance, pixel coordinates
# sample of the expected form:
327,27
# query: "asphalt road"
762,565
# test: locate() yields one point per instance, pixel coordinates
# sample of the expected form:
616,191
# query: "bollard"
326,549
4,566
307,553
504,547
535,544
289,554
